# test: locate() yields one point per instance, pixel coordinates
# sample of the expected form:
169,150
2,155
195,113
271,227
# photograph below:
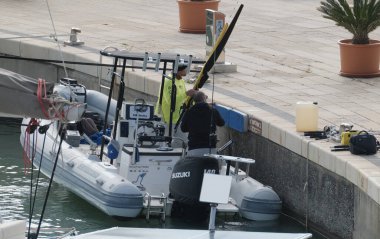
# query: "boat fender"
97,138
113,149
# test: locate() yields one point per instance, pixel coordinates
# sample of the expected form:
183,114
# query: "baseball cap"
182,66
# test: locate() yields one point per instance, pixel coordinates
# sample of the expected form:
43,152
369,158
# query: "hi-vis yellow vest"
166,98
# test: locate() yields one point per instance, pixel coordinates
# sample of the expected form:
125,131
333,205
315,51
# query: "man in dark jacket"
201,121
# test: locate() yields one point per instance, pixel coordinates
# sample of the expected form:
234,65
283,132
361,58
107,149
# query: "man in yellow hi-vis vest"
181,94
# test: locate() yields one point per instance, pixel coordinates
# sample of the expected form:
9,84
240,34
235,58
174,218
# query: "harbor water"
65,210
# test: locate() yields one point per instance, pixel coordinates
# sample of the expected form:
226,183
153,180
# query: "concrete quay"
284,51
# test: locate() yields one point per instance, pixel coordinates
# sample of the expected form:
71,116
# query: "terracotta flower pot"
192,15
359,60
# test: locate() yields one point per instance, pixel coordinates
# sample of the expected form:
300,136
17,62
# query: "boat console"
138,125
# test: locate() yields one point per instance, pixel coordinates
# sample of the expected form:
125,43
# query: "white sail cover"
18,95
19,98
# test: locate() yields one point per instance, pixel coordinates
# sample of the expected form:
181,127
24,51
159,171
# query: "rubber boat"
133,174
126,178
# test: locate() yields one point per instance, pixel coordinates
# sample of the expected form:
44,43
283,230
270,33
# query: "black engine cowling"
186,180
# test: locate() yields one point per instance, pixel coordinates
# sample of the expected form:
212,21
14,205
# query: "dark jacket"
197,121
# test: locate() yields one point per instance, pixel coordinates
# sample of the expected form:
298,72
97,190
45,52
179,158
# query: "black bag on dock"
363,143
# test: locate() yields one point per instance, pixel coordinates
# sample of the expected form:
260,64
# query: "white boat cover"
157,233
24,97
13,229
18,95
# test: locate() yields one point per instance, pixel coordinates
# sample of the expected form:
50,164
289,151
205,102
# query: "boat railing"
236,160
100,69
225,146
92,144
184,145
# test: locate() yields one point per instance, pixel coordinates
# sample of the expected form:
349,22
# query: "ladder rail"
160,210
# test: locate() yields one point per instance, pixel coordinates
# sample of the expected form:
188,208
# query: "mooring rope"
34,145
31,37
83,63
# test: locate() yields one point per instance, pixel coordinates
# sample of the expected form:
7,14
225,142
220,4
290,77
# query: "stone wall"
314,195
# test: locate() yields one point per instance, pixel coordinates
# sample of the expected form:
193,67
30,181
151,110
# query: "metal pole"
108,106
174,95
162,83
211,225
120,98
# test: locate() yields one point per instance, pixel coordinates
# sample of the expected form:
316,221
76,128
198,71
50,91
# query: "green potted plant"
360,55
192,14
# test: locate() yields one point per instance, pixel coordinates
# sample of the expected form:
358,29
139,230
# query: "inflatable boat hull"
94,181
254,200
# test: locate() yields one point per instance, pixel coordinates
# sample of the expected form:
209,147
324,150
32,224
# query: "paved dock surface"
284,51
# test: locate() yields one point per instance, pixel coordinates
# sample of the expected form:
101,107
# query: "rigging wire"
34,145
212,124
60,133
56,38
37,180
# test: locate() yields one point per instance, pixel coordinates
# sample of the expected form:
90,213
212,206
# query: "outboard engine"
72,92
76,92
185,186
